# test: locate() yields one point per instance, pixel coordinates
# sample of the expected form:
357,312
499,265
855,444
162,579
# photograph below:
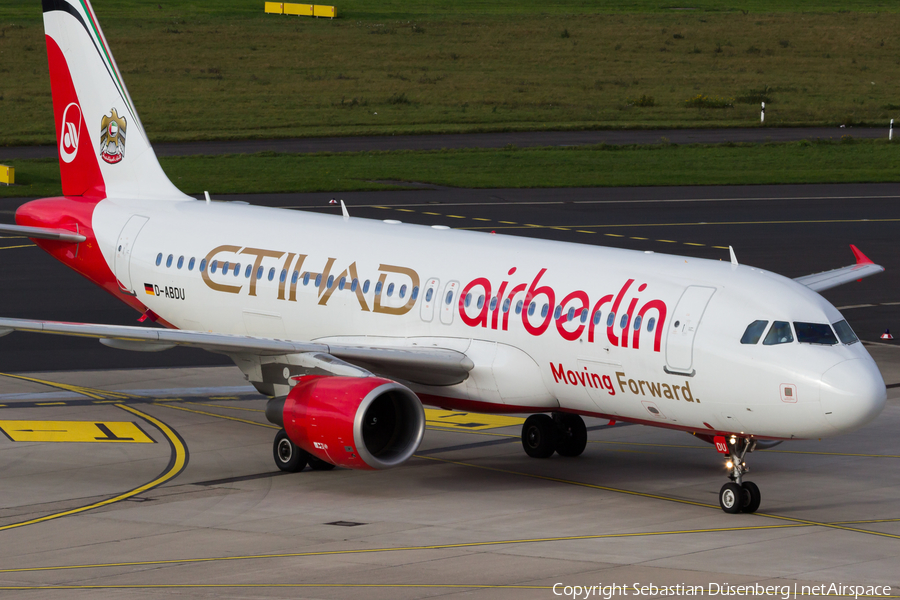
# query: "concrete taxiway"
197,509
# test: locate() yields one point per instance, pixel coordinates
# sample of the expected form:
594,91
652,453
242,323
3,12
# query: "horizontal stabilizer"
41,233
829,279
436,366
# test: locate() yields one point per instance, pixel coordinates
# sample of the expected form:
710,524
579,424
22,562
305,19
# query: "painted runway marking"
75,431
209,414
449,419
178,460
85,391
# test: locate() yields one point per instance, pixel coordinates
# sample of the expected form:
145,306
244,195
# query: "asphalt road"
483,140
792,230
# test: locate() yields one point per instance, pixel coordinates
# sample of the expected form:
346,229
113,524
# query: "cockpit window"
780,333
844,333
753,332
815,333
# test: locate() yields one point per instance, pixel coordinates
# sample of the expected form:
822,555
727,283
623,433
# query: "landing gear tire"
731,498
539,436
572,434
317,464
288,456
750,498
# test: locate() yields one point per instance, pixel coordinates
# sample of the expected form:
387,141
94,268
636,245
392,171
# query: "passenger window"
247,271
493,305
390,289
202,265
191,264
169,261
159,259
342,283
651,323
271,273
519,307
480,302
506,304
531,308
213,266
815,333
403,291
597,316
449,298
623,322
468,300
844,332
353,285
611,319
366,287
294,277
237,269
584,314
780,333
259,273
637,323
180,262
429,294
415,292
571,314
327,285
544,310
283,277
557,312
306,278
378,289
318,280
753,332
225,268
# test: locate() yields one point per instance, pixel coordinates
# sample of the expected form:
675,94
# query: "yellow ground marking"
568,538
560,228
224,398
209,414
384,207
667,241
637,238
259,410
509,222
50,404
14,247
706,223
693,244
84,391
656,496
584,231
479,219
432,213
75,431
456,216
176,464
467,421
405,210
181,586
721,247
613,235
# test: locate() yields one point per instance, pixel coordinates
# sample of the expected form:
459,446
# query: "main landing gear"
563,433
291,458
739,495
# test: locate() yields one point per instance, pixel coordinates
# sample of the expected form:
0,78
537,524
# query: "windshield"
754,332
845,333
815,333
780,333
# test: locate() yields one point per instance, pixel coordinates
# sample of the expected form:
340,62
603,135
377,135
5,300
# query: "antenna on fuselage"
206,194
344,210
733,257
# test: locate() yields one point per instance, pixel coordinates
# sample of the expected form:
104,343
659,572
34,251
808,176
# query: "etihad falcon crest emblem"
112,137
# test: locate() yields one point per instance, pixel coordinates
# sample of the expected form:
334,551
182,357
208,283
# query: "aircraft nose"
852,393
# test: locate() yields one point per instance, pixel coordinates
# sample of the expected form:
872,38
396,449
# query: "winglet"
733,257
861,259
344,210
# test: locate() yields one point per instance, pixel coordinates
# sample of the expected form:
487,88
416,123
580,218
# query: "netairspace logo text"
785,592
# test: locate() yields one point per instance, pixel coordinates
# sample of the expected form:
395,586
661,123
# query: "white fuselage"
681,365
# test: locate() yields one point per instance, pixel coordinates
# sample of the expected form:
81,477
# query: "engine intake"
354,422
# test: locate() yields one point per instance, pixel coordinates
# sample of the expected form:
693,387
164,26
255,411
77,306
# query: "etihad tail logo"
112,137
71,131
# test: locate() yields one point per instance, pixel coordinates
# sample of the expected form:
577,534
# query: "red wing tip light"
861,259
887,335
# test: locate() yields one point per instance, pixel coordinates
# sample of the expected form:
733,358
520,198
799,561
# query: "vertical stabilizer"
103,149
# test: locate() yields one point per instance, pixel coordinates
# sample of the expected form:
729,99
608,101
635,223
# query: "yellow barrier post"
7,175
276,8
324,11
301,10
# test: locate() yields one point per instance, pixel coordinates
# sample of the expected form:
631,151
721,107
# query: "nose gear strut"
737,495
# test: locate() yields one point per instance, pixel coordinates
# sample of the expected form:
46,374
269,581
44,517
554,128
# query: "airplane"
351,325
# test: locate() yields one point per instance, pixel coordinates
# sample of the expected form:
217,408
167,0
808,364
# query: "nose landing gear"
737,495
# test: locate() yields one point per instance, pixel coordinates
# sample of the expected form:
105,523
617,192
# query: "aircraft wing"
438,365
829,279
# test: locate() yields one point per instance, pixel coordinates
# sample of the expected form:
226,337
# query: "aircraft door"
430,299
124,247
683,327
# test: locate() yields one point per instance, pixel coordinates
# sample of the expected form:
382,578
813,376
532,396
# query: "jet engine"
352,422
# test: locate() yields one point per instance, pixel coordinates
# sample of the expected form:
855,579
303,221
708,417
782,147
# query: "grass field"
665,164
214,70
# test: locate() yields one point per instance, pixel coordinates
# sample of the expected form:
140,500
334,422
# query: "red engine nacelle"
354,422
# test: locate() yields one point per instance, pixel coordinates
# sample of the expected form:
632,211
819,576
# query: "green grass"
664,164
216,70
